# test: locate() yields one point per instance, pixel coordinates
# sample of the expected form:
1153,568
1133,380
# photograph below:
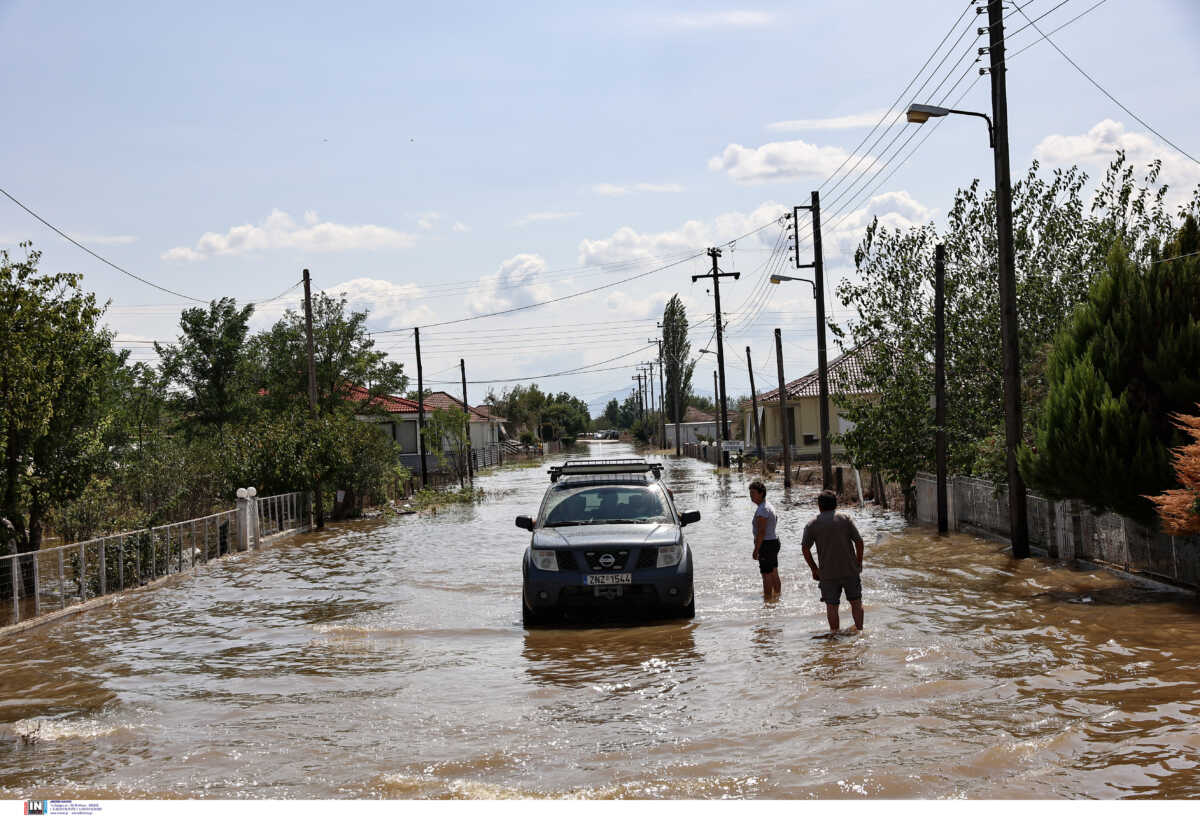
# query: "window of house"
810,439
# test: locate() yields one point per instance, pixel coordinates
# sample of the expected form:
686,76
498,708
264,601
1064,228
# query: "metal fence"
36,583
1066,529
487,456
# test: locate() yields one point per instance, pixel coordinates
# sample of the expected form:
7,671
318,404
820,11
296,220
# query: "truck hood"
607,535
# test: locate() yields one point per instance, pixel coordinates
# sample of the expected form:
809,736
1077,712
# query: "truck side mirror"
690,517
526,523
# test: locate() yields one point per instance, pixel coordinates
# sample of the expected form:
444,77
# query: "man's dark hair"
758,487
826,500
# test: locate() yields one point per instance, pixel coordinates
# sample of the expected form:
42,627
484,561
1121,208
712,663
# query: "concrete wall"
1065,529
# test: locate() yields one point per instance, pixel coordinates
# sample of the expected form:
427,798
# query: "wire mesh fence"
1066,529
36,583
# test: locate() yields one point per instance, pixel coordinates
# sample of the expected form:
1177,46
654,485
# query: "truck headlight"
670,555
546,560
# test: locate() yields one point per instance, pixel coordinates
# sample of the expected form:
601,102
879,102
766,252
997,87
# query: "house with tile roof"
802,406
397,417
696,424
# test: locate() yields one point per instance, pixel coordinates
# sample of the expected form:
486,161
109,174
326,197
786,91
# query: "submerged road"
388,659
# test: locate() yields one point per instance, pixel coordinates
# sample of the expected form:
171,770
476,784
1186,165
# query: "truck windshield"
606,504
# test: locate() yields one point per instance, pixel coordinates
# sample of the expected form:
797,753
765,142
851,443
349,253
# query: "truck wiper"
566,523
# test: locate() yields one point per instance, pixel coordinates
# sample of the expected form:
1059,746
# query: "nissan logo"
607,560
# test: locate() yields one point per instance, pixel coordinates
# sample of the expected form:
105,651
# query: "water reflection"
574,657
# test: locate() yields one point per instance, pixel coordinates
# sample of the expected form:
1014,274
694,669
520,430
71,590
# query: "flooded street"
388,659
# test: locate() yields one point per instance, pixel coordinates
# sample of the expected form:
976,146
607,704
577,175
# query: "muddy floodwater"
387,659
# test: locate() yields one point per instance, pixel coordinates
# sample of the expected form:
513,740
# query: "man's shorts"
768,556
831,590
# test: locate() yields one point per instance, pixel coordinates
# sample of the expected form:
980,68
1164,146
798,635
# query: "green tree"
1127,360
676,355
209,365
612,413
54,368
1060,246
343,352
445,435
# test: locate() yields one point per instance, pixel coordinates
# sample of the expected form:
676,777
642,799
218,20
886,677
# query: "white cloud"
516,283
1095,149
390,305
895,210
720,19
641,187
547,215
777,161
628,243
459,226
280,231
854,120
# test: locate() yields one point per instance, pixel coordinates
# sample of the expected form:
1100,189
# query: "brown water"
388,659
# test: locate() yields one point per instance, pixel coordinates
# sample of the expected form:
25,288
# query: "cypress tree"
1126,361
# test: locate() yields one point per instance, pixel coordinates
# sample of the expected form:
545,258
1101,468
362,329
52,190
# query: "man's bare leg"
776,584
857,610
835,622
766,576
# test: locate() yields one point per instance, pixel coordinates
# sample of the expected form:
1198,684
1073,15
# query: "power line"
96,255
580,370
1104,91
1010,57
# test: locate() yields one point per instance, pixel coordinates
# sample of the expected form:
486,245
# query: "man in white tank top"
766,542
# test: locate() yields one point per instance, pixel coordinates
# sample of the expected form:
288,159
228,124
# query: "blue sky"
437,161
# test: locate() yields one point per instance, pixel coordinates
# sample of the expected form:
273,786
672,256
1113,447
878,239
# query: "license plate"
609,579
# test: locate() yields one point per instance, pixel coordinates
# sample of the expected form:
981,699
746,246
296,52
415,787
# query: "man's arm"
760,530
806,545
857,538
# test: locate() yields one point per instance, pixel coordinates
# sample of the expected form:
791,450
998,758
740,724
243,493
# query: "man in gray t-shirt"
840,554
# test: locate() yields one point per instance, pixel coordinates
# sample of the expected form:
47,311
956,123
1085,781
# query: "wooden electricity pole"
783,412
420,409
818,268
939,384
1019,528
716,276
462,367
312,388
754,408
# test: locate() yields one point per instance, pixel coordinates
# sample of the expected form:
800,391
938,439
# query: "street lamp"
920,114
777,279
1019,531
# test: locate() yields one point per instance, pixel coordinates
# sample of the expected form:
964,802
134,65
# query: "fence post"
121,563
243,517
37,588
62,584
16,581
103,577
82,573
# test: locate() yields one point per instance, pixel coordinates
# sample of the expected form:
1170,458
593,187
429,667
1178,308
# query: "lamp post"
998,139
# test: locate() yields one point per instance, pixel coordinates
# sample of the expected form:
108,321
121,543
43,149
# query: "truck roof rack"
604,467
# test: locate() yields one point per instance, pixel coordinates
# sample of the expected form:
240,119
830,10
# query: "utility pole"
312,387
754,407
716,276
650,377
638,377
783,412
939,382
1019,531
662,398
420,409
818,267
462,367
